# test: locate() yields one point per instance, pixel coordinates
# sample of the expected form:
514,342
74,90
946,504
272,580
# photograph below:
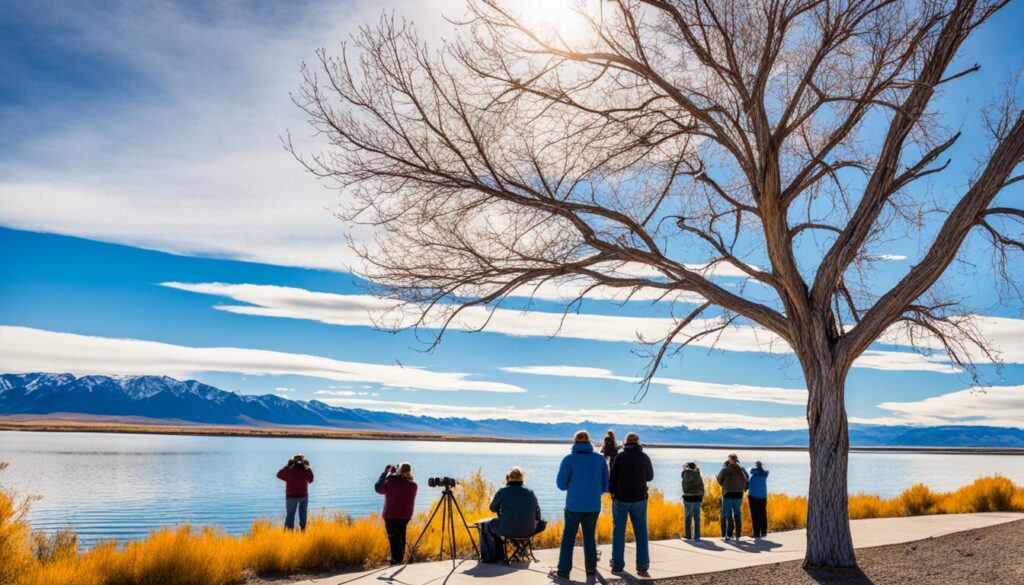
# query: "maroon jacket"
399,496
296,481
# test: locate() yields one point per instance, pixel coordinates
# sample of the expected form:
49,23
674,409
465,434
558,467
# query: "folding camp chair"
519,550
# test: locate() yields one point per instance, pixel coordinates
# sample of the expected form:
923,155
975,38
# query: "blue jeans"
291,504
637,514
573,522
732,516
691,522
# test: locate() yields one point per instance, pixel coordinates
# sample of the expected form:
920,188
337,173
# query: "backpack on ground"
492,548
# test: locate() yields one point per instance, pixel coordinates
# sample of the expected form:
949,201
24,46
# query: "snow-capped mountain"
189,401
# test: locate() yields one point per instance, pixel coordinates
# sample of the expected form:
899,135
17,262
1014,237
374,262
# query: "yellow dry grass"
206,556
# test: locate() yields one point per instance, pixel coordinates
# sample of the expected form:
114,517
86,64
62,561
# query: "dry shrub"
15,536
872,506
986,494
919,500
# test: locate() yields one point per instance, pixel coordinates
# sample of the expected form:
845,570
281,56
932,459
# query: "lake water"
118,485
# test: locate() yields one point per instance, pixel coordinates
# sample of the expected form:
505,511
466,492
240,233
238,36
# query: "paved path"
671,558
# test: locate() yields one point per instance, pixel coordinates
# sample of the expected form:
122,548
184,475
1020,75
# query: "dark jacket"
693,485
399,496
733,479
296,480
630,473
583,474
610,449
517,509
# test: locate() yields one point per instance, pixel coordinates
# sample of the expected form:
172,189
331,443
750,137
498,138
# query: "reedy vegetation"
206,556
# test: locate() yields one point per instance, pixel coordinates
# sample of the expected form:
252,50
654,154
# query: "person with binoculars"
399,490
296,475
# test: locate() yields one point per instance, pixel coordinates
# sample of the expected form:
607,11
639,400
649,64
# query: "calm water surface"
115,485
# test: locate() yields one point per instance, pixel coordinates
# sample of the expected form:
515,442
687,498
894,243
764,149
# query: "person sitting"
296,475
517,508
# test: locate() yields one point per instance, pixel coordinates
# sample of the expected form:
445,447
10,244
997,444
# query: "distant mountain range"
181,402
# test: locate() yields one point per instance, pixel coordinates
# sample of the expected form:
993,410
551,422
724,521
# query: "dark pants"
759,515
292,505
574,521
396,538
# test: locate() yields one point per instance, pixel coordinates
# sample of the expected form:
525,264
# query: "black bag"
492,548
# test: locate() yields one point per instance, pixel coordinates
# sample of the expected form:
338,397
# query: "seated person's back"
517,507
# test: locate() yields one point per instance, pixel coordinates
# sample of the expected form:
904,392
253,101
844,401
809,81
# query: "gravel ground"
986,556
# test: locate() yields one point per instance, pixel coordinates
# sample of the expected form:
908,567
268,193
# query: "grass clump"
207,556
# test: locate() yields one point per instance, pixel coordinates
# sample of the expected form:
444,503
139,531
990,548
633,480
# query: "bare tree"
512,156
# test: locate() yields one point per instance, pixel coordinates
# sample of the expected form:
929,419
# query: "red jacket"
296,481
399,496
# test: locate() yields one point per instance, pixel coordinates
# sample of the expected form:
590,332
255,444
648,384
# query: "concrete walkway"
670,558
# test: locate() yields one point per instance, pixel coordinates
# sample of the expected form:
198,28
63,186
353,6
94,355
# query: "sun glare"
556,17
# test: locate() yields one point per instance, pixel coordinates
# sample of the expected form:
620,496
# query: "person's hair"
581,437
610,435
298,459
691,465
632,438
405,470
734,457
758,464
515,474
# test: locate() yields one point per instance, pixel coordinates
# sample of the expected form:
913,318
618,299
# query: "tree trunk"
829,543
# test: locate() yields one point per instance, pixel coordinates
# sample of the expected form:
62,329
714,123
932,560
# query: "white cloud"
905,361
1005,335
889,257
283,389
366,310
547,414
341,393
1001,406
24,349
186,156
677,386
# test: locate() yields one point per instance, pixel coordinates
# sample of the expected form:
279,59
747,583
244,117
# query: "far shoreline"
29,423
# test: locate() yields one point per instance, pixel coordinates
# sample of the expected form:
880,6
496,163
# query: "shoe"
617,570
591,572
557,575
642,572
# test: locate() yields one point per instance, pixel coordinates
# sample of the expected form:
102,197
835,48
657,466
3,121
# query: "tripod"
447,505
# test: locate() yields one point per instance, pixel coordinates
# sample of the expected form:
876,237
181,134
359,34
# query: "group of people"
585,475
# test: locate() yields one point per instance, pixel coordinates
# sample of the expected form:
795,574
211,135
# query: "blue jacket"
584,476
758,483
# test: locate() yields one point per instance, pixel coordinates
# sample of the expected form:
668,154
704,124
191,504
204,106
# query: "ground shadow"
755,546
849,576
705,544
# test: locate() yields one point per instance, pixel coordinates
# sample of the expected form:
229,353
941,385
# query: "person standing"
631,470
399,490
733,479
693,498
610,448
296,475
757,497
583,475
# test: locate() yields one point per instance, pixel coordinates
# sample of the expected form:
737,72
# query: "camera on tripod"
441,482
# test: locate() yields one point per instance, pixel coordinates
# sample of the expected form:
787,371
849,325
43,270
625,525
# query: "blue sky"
152,223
